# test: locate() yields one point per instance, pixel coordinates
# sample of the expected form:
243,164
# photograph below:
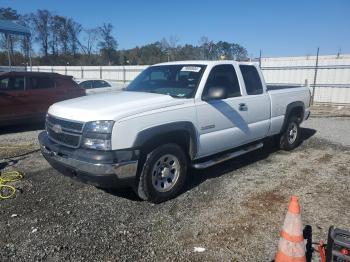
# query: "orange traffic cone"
291,247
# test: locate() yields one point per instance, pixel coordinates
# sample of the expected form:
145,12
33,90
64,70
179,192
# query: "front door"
222,124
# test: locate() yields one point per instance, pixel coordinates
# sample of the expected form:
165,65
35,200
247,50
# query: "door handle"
243,107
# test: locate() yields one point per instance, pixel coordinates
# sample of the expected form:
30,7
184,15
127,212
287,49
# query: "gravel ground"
335,129
234,210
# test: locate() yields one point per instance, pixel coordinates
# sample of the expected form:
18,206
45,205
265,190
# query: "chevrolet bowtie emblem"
57,129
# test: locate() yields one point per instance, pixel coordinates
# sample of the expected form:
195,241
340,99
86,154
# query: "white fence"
332,81
123,74
13,68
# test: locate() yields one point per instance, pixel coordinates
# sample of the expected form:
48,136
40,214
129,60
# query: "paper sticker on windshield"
191,69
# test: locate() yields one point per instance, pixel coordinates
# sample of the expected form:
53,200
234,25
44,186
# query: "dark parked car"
26,96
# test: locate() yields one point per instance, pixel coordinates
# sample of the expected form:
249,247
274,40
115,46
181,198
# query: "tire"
290,137
163,174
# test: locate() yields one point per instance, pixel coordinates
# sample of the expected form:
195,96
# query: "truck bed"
281,96
270,87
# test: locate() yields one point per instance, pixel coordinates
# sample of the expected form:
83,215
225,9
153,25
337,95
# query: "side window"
4,83
40,82
86,84
223,76
252,80
12,83
105,84
100,84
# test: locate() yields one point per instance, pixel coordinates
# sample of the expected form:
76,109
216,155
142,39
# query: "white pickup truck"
173,116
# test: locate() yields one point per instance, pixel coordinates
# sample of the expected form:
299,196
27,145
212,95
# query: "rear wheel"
290,138
163,174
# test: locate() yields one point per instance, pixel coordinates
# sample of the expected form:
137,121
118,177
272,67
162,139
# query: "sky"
278,28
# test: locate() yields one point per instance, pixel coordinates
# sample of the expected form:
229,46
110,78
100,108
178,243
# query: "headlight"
103,126
97,135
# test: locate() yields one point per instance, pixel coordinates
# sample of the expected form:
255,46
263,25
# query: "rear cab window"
251,79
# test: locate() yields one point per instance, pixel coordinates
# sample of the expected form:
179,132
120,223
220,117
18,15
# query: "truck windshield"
179,81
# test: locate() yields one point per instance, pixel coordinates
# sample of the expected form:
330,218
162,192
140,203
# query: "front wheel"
163,174
290,138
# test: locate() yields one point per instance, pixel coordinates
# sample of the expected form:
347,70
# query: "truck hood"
111,106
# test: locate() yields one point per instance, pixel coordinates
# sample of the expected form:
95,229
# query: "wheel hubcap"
292,133
165,173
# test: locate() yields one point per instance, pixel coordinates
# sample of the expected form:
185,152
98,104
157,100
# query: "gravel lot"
234,210
335,129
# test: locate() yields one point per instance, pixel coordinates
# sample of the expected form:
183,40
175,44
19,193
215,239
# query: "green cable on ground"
8,177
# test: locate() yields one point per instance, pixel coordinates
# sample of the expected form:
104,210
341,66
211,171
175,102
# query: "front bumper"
107,169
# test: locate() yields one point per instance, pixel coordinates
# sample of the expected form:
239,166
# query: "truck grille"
66,124
64,132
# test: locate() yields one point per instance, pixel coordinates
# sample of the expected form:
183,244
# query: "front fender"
152,133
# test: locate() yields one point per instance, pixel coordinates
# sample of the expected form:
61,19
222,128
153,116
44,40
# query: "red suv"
26,96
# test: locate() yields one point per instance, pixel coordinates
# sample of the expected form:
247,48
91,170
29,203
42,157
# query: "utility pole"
260,58
7,36
315,78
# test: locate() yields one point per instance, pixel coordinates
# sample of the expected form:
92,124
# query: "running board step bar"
225,157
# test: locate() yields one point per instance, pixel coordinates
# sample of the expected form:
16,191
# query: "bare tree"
74,29
170,47
108,44
108,41
205,46
55,27
91,37
42,21
63,36
26,41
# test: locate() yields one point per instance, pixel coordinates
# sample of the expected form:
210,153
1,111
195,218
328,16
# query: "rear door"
13,102
42,93
256,102
66,88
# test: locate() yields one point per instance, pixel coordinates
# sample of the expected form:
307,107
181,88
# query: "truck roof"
206,62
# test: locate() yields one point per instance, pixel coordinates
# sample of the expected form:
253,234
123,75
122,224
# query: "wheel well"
293,109
297,111
179,137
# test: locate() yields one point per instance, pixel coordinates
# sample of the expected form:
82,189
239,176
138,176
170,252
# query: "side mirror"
216,93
